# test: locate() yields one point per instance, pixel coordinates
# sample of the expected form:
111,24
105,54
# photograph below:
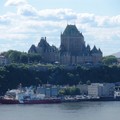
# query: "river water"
64,111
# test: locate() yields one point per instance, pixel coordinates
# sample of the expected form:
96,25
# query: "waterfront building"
101,89
95,89
72,50
49,91
108,89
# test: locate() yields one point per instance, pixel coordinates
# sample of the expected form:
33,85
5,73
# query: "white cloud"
4,21
15,2
27,10
57,14
85,17
28,24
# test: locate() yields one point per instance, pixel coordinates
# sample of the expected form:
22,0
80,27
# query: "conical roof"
94,50
43,43
100,51
32,49
88,47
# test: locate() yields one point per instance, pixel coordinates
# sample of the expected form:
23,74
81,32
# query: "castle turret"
100,51
97,55
32,49
94,50
88,47
43,44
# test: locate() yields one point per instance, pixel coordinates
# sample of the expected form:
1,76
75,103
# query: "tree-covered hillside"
12,75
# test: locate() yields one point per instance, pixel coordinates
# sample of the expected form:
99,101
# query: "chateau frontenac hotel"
72,49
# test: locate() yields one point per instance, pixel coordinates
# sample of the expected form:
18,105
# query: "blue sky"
24,22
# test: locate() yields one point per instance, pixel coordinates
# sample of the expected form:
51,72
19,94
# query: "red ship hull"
44,101
9,101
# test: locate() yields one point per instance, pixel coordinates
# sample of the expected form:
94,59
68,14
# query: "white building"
101,89
95,89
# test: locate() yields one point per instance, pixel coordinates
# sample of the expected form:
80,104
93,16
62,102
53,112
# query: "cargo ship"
27,96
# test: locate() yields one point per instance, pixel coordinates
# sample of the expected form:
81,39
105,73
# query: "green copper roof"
71,30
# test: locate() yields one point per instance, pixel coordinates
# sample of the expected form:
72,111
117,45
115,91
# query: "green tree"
109,60
21,57
33,57
24,58
70,91
14,56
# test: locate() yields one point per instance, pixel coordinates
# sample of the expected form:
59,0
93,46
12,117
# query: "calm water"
66,111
